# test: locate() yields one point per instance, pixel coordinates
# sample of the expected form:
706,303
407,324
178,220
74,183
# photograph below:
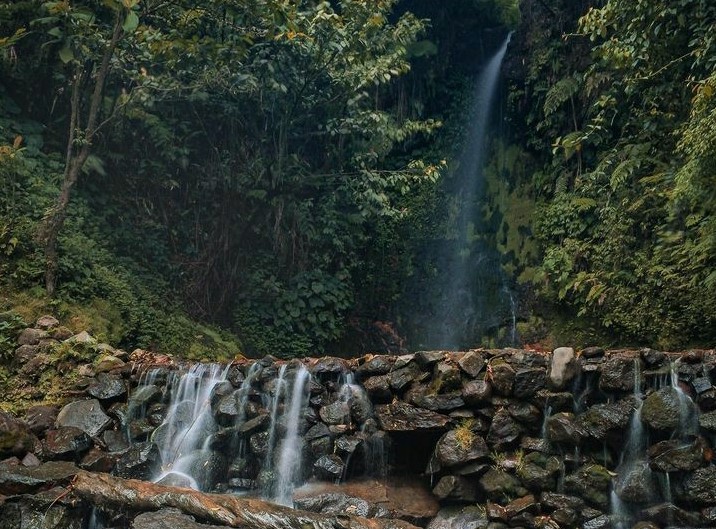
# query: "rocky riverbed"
476,439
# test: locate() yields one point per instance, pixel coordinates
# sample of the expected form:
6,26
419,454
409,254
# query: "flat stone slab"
402,417
18,479
87,415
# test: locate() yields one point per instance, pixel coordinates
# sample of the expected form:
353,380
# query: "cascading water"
189,424
472,297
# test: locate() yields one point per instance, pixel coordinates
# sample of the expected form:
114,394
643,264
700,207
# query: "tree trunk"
223,509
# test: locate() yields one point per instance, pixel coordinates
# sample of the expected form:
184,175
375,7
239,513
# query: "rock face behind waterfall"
480,439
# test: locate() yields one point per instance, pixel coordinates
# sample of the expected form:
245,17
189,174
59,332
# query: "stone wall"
484,438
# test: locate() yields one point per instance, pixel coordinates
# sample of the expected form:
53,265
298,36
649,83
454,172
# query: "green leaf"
66,54
131,22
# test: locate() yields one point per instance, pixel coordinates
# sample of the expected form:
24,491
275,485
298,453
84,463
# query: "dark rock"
476,392
39,419
523,358
401,416
67,443
468,517
565,517
259,443
661,409
329,466
339,503
700,486
504,430
502,376
227,410
87,415
701,385
107,387
25,353
675,515
528,381
400,379
348,444
156,414
563,367
17,479
618,373
145,395
427,358
317,431
139,462
675,455
321,446
693,356
403,360
15,437
336,413
360,405
524,412
524,504
169,519
252,426
456,488
539,472
378,389
224,388
561,428
471,363
140,429
601,419
98,461
554,500
235,376
208,467
107,363
377,365
330,365
635,482
707,400
459,447
592,352
497,484
441,402
121,412
590,482
600,522
707,421
653,358
446,377
31,336
115,441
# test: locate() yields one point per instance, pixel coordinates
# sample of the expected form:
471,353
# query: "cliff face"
489,438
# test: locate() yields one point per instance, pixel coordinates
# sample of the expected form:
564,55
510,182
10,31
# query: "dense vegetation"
281,170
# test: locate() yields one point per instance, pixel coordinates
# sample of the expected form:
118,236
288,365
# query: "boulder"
24,354
40,418
46,322
454,517
340,503
675,455
169,519
377,365
525,413
497,484
227,410
87,415
15,437
97,460
590,482
476,392
502,376
472,363
67,442
456,488
254,425
539,471
528,381
401,378
145,395
329,466
258,443
618,373
18,479
561,428
661,409
82,338
337,413
700,486
108,362
601,419
459,447
446,377
675,515
504,430
563,367
439,402
378,389
427,358
107,387
347,444
31,336
139,462
635,482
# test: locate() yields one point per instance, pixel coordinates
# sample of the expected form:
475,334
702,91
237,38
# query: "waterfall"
288,467
688,415
473,291
188,425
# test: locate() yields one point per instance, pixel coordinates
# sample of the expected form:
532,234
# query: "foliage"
10,325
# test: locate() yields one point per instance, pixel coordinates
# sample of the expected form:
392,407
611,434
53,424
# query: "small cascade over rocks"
444,440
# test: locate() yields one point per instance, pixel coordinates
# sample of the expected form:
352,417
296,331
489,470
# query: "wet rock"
67,443
561,428
539,471
554,500
618,373
653,358
600,522
377,365
145,395
700,486
592,352
322,446
440,402
707,400
329,466
558,401
456,488
504,430
107,387
468,517
472,363
259,443
97,460
140,429
31,336
563,367
339,503
15,437
317,431
459,447
336,413
252,426
30,460
403,377
169,519
497,484
18,479
446,377
675,515
401,416
707,421
227,411
427,358
348,444
139,462
601,419
361,407
524,412
39,419
502,376
330,365
115,441
590,482
675,455
235,376
661,409
528,381
208,467
378,389
520,505
635,482
476,392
